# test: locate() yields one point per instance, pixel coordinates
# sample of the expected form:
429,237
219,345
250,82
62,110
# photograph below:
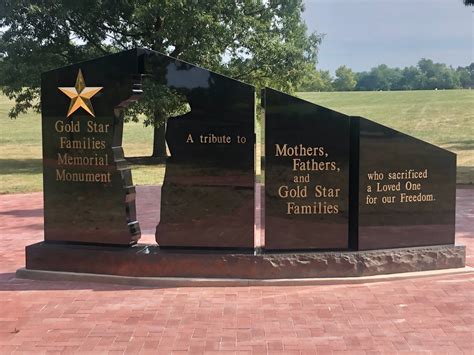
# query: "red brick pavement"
428,315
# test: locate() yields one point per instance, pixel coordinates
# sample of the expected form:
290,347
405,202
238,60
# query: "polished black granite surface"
332,182
89,196
208,192
407,189
306,174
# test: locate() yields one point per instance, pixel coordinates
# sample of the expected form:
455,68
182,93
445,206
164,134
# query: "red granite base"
144,260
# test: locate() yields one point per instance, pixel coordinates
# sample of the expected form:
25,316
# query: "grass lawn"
444,118
20,152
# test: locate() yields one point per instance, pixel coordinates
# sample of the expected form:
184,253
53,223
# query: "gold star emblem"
80,95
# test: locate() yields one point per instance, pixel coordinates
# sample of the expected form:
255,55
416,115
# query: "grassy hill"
444,118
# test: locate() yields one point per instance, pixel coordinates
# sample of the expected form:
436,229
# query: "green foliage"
466,76
345,79
379,78
157,103
317,80
427,75
410,79
257,41
437,75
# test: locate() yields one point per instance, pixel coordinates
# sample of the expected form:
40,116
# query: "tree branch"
86,36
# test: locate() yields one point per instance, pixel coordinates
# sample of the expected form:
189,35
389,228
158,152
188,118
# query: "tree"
410,79
261,42
1,78
317,80
376,79
466,76
437,75
345,79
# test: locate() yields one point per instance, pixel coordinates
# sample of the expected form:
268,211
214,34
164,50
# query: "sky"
365,33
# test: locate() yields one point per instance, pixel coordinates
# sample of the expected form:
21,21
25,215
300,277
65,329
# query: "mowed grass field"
20,151
444,118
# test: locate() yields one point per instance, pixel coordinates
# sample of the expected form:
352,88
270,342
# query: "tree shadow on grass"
465,175
467,144
21,166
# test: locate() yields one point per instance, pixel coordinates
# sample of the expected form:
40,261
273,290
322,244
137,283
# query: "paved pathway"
429,315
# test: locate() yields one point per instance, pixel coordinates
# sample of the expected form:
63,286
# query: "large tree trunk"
159,142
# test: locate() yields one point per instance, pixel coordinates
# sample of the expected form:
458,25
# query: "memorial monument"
343,196
89,195
306,174
340,182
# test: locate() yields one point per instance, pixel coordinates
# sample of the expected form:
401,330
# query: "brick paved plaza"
423,315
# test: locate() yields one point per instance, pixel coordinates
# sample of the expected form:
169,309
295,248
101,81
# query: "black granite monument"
406,193
339,182
343,196
207,196
89,196
306,174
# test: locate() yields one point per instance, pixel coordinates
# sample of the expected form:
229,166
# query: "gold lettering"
94,127
96,160
315,208
281,152
301,178
190,139
404,198
408,174
297,192
298,151
65,176
211,138
88,143
313,165
322,191
70,127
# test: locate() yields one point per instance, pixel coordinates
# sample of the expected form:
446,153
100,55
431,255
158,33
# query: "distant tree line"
426,75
